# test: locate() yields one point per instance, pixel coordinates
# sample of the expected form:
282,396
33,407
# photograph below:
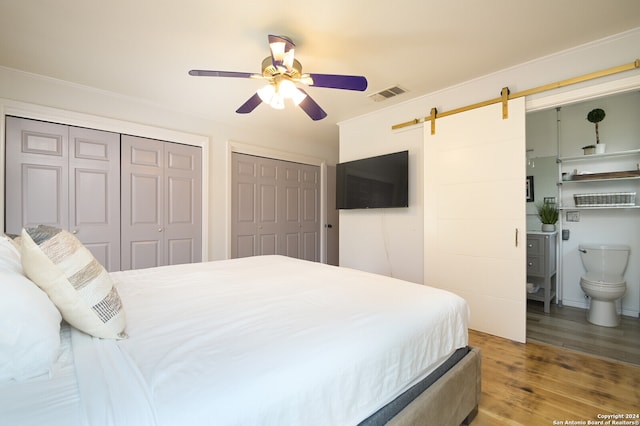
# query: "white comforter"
263,341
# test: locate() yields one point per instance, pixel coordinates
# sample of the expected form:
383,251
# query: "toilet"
604,281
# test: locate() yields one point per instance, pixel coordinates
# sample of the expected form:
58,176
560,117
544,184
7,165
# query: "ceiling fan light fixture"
288,90
277,50
277,101
270,96
275,94
282,72
282,52
298,96
266,93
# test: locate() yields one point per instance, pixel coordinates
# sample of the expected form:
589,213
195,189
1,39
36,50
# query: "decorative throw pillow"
74,280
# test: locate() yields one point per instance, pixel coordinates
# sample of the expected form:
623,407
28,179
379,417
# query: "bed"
266,340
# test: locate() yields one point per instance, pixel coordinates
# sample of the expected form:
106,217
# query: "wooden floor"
537,384
567,327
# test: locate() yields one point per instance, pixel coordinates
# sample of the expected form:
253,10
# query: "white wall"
378,240
99,109
362,234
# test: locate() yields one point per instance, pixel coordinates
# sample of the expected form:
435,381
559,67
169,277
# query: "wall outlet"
573,216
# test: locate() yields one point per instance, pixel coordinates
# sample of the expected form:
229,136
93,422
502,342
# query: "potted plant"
589,149
595,116
548,214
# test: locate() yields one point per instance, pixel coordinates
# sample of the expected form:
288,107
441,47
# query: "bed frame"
451,400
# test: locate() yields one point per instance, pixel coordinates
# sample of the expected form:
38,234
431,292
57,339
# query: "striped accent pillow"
74,280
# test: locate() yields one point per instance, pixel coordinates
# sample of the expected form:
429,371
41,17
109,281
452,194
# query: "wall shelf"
618,178
592,157
599,208
598,180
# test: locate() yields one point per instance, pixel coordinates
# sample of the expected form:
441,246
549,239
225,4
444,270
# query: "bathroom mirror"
545,175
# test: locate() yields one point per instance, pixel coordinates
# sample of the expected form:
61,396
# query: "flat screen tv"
373,183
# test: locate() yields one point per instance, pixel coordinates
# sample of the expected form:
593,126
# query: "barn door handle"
516,237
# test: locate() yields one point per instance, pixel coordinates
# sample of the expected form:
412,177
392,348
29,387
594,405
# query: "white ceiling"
144,48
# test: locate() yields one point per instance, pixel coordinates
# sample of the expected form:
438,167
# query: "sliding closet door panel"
94,192
310,213
267,225
37,190
133,202
291,223
161,203
142,196
183,223
475,215
275,208
244,212
68,177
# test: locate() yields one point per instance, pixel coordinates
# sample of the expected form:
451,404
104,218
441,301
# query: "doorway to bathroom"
558,170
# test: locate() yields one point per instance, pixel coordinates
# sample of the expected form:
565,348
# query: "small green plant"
548,213
595,116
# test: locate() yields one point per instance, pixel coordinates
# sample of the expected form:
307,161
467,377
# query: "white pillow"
74,280
29,329
9,256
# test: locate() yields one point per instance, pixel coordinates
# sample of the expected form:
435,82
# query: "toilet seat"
599,279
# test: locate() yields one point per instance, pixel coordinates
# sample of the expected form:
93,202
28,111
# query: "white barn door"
475,225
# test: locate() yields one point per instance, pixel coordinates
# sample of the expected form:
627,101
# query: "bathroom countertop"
542,233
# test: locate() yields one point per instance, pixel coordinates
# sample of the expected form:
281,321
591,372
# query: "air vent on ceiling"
387,93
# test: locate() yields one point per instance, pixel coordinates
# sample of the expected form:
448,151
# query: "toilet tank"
604,258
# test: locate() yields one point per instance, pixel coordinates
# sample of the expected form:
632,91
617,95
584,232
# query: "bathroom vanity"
541,266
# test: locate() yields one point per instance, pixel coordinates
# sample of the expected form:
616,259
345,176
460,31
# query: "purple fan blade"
288,45
312,109
211,73
250,105
335,81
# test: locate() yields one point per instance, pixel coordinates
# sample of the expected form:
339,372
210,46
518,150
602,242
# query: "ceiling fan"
282,71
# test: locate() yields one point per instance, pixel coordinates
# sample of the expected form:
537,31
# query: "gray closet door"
300,185
161,203
275,208
94,193
67,177
183,218
142,203
37,174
